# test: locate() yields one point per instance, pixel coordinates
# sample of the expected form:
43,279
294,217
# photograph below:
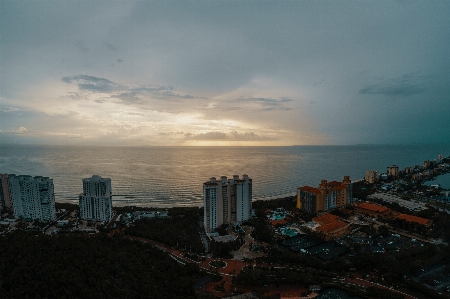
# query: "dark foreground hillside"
79,266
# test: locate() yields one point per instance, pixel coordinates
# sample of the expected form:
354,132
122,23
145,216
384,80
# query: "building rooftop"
411,218
310,189
280,221
372,207
325,218
330,227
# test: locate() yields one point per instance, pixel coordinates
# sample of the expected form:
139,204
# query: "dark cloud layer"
91,83
404,86
392,90
126,94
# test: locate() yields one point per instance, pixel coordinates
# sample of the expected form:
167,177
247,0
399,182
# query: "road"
234,267
202,232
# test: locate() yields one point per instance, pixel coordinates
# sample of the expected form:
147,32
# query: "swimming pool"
278,215
289,231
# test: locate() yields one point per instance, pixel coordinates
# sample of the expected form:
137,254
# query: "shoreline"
179,205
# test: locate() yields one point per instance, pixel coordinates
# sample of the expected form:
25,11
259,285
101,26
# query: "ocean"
173,176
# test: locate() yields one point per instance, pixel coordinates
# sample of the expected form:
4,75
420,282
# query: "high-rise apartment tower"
227,201
28,197
96,199
328,196
371,176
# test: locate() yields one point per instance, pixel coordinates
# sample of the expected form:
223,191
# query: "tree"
383,230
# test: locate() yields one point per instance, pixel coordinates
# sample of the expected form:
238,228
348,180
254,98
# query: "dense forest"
77,266
180,230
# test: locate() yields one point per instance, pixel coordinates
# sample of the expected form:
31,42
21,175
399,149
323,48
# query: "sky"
224,73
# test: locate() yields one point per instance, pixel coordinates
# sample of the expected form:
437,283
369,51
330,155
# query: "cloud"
76,96
170,94
9,109
63,134
222,107
172,133
127,94
231,136
163,92
127,98
268,103
404,86
21,130
91,83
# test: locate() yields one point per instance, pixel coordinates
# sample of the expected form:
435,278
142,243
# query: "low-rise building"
325,218
371,209
63,223
150,214
411,205
415,219
333,230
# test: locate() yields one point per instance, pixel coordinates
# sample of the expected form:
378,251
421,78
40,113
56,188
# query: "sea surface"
173,176
442,180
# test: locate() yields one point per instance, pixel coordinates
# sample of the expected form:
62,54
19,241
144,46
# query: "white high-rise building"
96,199
226,201
29,197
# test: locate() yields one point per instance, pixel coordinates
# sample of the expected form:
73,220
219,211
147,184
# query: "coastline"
122,203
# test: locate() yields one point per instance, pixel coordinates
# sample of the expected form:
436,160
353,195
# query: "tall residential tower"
226,201
28,197
96,199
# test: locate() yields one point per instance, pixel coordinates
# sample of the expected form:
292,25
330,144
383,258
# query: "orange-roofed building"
325,218
416,219
372,209
335,229
328,196
279,221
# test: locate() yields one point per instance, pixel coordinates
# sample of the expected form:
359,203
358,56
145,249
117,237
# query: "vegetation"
222,230
261,276
67,206
261,230
383,294
223,249
218,264
78,266
180,230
